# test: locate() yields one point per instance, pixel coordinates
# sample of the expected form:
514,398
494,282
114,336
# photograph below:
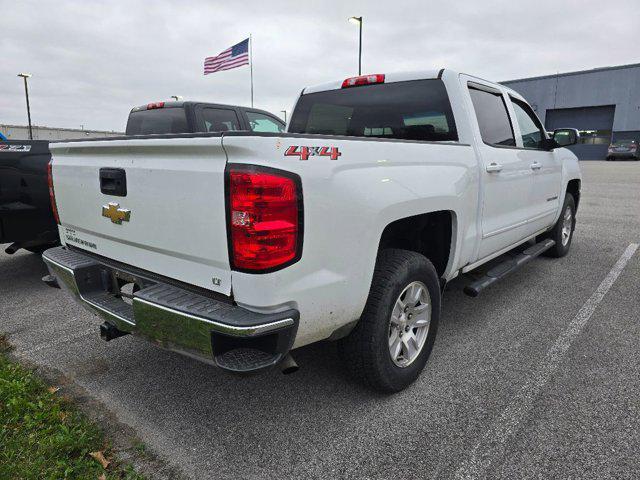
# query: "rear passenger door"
505,176
545,165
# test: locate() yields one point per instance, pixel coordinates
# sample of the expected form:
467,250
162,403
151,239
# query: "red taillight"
52,194
151,106
265,217
363,80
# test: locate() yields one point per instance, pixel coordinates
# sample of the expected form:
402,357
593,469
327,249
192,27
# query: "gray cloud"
92,61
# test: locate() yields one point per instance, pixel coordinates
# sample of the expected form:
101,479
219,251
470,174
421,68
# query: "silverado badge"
115,213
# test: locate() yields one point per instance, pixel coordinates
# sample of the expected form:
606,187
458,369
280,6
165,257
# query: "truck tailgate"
171,221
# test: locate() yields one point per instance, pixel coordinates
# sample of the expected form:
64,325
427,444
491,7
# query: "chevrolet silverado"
237,247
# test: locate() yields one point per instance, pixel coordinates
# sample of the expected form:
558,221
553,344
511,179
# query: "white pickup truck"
237,247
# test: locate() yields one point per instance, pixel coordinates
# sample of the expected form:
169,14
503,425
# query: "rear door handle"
494,167
536,166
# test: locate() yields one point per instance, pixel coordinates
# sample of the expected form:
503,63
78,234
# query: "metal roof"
580,72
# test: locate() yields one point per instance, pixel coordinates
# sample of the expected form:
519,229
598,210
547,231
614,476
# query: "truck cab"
199,117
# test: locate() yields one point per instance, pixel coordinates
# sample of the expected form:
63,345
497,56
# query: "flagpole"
251,65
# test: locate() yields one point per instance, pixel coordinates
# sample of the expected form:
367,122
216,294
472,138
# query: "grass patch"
42,436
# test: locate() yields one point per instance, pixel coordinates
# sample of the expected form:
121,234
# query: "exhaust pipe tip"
288,365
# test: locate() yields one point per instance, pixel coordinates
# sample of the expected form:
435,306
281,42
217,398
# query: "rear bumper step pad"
229,336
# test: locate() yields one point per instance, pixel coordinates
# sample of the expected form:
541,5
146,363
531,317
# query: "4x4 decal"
305,152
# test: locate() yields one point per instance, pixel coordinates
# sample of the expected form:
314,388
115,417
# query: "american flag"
233,57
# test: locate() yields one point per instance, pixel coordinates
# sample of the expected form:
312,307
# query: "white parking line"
492,444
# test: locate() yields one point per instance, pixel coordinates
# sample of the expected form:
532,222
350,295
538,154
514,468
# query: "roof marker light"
151,106
363,80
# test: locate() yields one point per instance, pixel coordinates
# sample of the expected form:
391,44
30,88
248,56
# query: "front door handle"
494,167
536,166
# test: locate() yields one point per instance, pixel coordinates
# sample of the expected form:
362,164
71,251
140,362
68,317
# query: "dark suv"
191,117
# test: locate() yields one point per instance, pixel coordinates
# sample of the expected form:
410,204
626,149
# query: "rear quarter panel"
347,204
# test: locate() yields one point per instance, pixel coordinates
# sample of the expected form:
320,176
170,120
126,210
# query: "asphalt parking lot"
539,377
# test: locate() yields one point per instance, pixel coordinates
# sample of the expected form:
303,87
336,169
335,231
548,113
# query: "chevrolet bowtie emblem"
116,214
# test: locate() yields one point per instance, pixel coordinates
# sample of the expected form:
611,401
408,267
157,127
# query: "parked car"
623,149
191,117
26,218
236,247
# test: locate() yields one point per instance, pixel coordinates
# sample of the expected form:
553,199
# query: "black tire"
608,159
365,351
560,249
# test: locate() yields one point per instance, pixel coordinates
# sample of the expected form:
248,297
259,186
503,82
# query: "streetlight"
26,92
285,115
358,21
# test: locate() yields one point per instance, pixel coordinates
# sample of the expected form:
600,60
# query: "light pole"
26,92
285,115
358,21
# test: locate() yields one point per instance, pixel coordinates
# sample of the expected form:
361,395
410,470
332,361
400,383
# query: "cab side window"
493,118
220,120
263,123
531,130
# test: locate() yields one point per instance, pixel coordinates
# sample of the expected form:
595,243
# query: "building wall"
612,86
619,86
21,132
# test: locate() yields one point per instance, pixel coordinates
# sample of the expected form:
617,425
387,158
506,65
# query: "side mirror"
563,137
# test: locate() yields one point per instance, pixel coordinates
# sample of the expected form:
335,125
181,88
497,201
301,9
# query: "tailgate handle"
113,181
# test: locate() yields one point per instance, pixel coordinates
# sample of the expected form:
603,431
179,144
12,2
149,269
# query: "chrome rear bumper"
231,337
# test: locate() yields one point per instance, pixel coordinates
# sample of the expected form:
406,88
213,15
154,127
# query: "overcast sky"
92,61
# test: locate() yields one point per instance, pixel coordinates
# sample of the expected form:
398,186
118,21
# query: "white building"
21,132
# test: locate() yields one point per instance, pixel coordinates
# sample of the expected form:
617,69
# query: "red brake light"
363,80
151,106
265,219
52,195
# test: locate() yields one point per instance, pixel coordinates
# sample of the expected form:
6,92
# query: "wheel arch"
431,234
573,187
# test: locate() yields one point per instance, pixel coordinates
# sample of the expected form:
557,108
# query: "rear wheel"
392,342
562,231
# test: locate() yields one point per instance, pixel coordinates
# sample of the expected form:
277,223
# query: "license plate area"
123,285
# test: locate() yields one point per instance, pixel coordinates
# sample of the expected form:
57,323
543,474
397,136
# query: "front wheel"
562,231
391,343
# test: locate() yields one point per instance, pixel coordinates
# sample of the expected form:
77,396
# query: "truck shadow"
21,269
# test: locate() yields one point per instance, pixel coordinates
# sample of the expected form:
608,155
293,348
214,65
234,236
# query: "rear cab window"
157,121
409,110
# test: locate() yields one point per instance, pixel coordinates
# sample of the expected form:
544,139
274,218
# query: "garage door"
595,125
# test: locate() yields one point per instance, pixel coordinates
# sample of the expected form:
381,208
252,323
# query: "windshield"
157,121
412,110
